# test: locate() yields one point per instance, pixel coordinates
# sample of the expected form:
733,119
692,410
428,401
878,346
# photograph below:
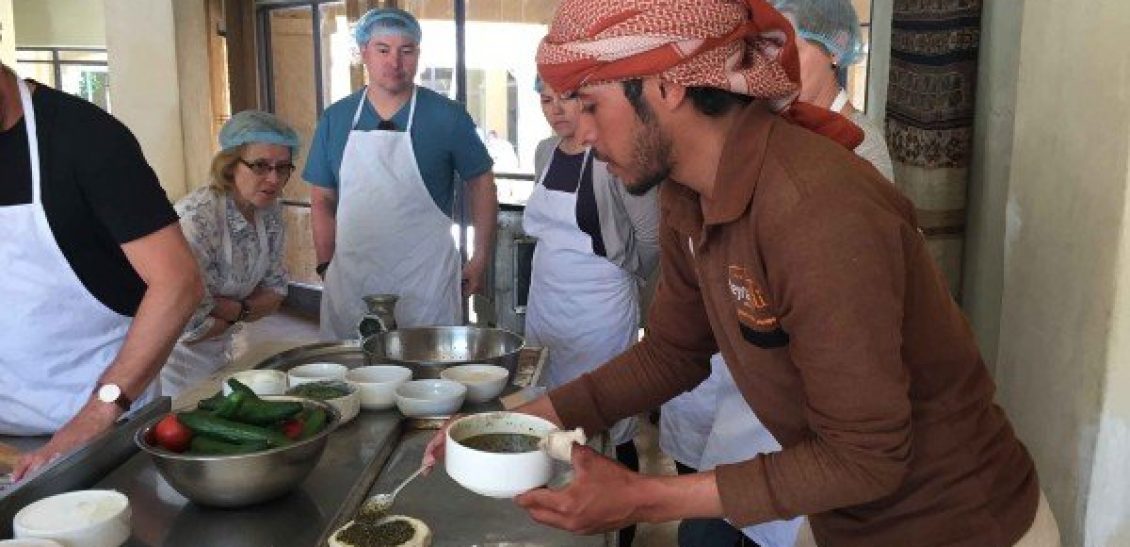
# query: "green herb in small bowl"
341,394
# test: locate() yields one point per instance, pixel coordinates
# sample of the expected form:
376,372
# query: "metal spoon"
379,504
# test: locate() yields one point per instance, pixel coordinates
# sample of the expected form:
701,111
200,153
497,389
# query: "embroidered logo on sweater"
759,325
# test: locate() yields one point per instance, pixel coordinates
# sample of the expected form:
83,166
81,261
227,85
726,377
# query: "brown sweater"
807,271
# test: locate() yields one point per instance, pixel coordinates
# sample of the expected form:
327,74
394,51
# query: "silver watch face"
109,393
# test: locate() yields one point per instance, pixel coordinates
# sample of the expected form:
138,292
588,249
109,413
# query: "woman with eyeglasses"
235,228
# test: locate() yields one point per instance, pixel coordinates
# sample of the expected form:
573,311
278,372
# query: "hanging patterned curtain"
930,107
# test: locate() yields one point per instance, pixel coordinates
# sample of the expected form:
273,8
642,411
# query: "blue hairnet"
385,21
831,23
253,126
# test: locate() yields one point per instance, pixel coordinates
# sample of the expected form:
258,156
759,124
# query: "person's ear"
667,95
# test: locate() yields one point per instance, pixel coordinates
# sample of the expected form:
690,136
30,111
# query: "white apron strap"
365,98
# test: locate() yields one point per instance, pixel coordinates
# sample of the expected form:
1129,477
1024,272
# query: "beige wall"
1107,521
989,171
193,67
60,23
7,33
146,90
1051,231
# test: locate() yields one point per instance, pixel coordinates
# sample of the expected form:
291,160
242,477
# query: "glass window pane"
300,259
43,73
83,56
294,88
857,74
337,53
436,70
502,40
87,81
292,68
863,10
32,55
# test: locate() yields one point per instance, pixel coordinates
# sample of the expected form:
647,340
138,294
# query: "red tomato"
292,429
173,435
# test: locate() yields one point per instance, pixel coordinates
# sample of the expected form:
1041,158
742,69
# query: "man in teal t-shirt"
383,163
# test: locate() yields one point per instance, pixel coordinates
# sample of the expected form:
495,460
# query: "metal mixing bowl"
241,479
429,350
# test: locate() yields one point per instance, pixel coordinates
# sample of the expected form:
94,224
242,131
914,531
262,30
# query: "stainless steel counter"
77,470
366,456
459,517
352,459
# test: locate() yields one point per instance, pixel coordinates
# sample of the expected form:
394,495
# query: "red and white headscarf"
744,46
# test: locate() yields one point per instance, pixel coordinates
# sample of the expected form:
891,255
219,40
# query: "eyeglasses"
262,168
386,125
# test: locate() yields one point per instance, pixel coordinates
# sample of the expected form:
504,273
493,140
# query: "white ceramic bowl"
484,382
498,475
430,398
378,384
348,405
84,518
262,382
313,372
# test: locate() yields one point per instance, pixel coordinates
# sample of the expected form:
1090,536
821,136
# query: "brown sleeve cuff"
744,490
575,405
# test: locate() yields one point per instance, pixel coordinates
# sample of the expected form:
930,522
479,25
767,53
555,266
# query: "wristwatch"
321,269
112,393
244,311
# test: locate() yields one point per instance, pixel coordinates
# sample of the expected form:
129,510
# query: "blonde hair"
223,169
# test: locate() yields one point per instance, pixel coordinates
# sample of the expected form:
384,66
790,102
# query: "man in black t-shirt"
97,279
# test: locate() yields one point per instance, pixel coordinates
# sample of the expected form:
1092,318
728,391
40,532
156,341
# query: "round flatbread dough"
421,537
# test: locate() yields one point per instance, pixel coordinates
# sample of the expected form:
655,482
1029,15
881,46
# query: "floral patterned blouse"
200,221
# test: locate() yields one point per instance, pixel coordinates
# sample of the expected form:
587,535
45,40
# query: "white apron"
737,435
582,307
191,363
685,421
56,339
391,237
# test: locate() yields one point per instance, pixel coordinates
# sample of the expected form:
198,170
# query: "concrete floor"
285,330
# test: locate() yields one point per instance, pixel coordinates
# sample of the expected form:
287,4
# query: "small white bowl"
312,372
493,474
430,398
348,405
262,382
484,382
84,518
378,384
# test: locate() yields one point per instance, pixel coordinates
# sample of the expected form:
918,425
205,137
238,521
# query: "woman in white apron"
235,228
583,300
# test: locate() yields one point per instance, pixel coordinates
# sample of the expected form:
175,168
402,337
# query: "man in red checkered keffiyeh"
745,47
721,55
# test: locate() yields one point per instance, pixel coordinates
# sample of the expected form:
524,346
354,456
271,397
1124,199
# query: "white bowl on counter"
348,405
377,384
262,382
84,518
430,398
30,542
313,372
495,474
484,382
